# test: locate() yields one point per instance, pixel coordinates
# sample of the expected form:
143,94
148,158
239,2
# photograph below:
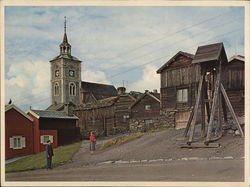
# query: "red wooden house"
18,132
23,135
57,126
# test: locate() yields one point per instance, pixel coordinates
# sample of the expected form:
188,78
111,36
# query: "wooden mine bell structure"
212,99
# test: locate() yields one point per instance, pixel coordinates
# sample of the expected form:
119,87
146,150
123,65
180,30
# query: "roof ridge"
98,83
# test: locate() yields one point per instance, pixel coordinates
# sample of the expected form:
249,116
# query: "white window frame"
125,117
17,142
147,107
43,141
72,89
182,95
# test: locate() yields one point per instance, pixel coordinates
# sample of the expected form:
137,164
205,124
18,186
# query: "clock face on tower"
57,73
71,73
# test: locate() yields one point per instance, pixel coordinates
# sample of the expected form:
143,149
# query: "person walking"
92,140
49,154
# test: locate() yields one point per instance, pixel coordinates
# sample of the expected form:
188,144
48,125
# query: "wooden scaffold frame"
211,58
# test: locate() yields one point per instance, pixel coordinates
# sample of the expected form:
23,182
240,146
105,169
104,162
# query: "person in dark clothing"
49,154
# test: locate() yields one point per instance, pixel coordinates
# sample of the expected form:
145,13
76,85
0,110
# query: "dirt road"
160,145
209,170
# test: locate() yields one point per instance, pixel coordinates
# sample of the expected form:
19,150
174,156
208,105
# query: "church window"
56,89
72,89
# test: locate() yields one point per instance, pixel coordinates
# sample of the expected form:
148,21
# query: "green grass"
37,161
124,139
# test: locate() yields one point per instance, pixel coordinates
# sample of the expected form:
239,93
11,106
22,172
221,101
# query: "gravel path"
164,144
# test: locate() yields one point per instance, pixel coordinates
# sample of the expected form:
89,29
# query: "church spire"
65,39
65,47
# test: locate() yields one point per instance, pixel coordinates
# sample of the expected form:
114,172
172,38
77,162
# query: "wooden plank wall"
139,112
121,108
180,76
234,76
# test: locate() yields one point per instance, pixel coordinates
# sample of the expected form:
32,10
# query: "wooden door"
181,119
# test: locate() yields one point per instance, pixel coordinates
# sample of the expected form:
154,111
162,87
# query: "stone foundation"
143,125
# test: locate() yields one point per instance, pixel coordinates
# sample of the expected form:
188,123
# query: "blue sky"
116,44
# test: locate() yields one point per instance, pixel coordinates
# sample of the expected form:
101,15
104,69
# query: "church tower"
65,75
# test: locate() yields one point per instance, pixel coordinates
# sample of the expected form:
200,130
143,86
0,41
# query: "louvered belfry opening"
211,99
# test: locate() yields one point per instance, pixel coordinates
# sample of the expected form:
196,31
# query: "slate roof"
208,53
173,59
52,114
56,107
67,56
98,104
99,91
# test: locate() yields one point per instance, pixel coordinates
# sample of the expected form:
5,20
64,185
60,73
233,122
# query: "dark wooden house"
145,111
62,125
234,82
122,110
97,117
179,81
106,116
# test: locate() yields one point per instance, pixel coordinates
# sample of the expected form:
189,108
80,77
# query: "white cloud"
95,76
149,81
110,40
28,84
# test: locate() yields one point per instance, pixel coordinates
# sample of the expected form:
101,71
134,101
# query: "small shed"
145,111
147,107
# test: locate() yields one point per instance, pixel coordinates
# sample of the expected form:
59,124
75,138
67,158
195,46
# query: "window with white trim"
72,89
45,138
182,95
147,107
17,142
125,117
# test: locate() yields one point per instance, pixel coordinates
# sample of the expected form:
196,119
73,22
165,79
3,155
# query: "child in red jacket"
92,142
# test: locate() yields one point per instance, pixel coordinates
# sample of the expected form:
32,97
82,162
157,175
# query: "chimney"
154,90
121,90
66,108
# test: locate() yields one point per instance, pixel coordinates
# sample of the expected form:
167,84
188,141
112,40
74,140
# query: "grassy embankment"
62,154
127,138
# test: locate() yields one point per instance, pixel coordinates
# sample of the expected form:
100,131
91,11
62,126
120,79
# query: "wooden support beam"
215,103
193,123
200,145
219,113
231,109
189,122
207,105
224,109
203,90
